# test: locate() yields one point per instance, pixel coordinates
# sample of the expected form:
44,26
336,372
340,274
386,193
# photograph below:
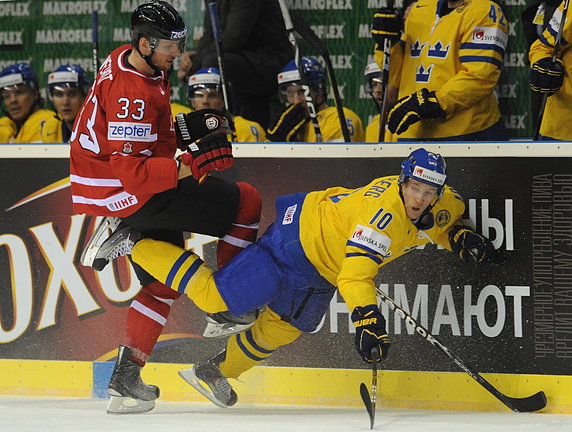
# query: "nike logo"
418,6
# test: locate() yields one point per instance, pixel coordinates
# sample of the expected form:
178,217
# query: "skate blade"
215,330
189,376
101,233
127,405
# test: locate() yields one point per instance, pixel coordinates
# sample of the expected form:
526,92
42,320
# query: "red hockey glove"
203,136
370,332
409,110
472,247
547,76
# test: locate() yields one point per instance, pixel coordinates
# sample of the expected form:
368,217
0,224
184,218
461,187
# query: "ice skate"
223,324
206,378
119,243
103,230
128,393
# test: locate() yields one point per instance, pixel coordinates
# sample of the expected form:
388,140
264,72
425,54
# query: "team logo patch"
127,148
289,215
124,131
371,239
443,217
490,36
211,123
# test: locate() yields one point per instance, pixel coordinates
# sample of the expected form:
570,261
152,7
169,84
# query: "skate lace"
121,249
223,386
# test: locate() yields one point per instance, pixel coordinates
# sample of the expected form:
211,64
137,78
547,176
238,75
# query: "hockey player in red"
123,166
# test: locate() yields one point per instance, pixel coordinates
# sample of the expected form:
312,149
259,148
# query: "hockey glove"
472,247
287,124
203,136
370,332
387,24
547,76
422,104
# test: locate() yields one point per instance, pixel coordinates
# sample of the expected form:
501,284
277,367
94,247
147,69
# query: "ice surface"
26,414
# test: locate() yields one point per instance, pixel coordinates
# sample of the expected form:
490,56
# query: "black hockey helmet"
158,20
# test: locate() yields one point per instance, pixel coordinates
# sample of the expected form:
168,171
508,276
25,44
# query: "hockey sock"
146,318
247,349
183,271
245,227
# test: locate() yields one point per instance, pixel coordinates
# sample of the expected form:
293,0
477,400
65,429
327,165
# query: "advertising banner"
514,316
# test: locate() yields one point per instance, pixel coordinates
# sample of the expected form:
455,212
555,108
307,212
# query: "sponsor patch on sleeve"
125,131
490,36
371,239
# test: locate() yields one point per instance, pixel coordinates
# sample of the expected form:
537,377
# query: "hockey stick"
557,41
215,24
305,86
527,404
94,43
384,82
304,30
370,402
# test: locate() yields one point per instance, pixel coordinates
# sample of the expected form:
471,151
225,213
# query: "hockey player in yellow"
372,85
205,91
22,103
68,86
554,78
446,67
294,124
320,241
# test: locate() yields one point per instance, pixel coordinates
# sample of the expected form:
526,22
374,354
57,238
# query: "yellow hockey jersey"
51,130
458,55
30,132
330,126
372,132
559,105
348,234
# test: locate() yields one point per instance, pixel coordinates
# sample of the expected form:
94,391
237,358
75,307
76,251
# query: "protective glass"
169,47
371,83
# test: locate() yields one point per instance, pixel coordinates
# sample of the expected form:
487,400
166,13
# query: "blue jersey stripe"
479,46
373,258
175,268
246,352
252,342
482,59
189,274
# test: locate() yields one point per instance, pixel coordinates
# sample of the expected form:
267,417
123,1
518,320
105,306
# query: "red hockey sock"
146,318
245,227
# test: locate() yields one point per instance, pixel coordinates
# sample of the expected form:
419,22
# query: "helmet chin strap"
148,59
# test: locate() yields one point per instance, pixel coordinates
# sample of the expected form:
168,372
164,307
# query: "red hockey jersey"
123,143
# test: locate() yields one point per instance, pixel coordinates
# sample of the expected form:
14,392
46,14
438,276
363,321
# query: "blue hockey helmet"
18,74
426,167
372,72
314,75
70,75
205,78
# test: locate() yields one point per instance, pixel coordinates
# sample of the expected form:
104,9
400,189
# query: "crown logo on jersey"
416,48
422,75
438,51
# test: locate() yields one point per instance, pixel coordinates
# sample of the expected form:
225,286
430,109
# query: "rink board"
319,369
293,386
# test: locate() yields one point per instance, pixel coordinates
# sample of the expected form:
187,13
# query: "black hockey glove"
472,247
287,124
203,136
410,109
370,332
547,76
387,24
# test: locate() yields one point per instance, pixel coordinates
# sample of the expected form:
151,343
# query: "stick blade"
528,404
367,402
